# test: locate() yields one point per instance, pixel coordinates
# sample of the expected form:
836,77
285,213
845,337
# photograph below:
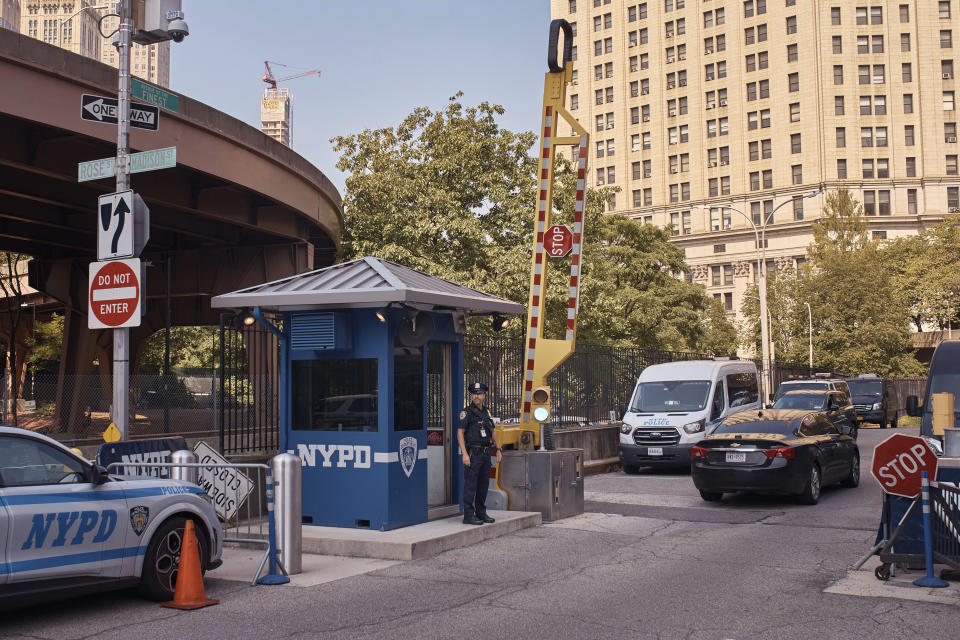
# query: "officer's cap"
478,387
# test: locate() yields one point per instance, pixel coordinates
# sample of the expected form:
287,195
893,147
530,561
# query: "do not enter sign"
898,462
114,299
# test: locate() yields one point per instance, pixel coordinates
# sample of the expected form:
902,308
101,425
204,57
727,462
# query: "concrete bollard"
288,510
183,473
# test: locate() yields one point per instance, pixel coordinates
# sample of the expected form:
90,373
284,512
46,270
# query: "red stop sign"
898,462
114,294
558,241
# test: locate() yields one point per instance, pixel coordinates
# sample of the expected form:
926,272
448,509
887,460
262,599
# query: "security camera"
178,30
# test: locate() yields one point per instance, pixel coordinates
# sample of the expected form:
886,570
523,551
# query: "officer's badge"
463,414
408,454
139,517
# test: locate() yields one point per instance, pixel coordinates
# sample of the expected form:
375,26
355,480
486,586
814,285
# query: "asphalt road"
648,560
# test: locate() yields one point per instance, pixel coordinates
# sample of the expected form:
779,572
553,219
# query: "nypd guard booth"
364,344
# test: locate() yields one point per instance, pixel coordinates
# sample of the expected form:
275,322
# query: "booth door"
439,424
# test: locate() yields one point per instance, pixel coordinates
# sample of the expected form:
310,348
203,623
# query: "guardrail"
242,495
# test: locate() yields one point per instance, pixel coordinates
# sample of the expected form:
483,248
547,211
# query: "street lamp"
810,333
761,245
71,17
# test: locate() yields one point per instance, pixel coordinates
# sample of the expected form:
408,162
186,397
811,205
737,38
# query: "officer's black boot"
469,518
486,518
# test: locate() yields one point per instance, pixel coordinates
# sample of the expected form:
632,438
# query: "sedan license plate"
736,457
654,451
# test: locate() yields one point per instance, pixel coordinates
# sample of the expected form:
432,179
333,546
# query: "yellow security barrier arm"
544,355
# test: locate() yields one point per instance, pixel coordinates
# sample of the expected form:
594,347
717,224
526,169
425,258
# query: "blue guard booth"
371,372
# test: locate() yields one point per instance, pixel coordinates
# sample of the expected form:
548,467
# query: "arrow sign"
104,110
123,226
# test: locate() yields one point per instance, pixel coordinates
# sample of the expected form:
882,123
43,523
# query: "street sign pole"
121,336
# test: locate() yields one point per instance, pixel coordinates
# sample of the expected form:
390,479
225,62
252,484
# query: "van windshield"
865,387
671,396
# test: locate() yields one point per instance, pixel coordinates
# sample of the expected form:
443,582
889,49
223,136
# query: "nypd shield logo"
408,454
139,517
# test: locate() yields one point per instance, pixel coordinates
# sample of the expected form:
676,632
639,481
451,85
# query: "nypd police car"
69,527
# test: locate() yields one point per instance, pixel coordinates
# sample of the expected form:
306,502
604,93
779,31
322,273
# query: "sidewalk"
864,583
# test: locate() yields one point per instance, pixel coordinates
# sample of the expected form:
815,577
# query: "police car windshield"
673,396
799,401
800,386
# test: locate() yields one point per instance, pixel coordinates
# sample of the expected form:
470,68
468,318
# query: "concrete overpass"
239,208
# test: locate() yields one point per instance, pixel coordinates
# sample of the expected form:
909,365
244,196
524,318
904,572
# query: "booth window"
335,395
408,389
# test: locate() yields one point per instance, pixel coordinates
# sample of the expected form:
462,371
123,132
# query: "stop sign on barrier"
898,462
558,240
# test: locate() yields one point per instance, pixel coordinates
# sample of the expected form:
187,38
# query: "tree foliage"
860,317
452,194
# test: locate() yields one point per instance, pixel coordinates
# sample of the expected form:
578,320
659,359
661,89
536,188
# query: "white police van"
675,404
68,528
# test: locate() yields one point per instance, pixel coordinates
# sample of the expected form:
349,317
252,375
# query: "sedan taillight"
699,452
780,452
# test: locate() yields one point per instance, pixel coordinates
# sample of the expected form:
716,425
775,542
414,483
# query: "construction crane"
276,108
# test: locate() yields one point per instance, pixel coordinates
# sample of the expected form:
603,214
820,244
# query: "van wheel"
631,469
711,496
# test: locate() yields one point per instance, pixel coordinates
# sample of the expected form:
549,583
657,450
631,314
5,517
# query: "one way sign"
123,225
101,109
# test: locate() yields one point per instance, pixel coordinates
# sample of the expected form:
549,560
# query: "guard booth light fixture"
499,322
540,404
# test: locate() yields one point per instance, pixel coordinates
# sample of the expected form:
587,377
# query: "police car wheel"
162,560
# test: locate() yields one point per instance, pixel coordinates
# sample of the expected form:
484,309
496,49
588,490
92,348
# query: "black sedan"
833,404
774,451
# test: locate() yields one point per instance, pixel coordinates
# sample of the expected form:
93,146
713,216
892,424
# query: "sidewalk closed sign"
227,487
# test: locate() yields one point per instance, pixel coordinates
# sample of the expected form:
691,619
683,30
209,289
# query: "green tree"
190,347
46,344
860,318
453,194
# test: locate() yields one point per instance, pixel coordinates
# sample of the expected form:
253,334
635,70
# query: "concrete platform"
416,541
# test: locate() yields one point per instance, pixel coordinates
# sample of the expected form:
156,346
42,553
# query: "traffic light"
540,404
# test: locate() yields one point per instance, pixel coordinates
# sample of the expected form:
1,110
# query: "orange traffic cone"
189,593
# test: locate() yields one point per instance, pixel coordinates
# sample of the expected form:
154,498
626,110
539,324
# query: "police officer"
477,440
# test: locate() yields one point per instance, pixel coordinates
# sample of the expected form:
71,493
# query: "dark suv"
874,399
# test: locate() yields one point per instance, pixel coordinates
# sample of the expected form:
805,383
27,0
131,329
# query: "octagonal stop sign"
558,240
898,462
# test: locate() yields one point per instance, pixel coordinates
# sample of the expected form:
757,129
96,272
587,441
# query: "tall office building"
700,109
10,14
72,25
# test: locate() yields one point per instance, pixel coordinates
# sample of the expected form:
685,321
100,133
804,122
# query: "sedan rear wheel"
711,496
853,479
811,493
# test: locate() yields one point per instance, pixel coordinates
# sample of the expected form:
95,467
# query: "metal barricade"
239,493
945,504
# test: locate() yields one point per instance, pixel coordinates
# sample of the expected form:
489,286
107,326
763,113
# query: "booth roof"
367,282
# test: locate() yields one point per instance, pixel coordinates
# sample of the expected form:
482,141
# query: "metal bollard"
929,580
184,473
288,510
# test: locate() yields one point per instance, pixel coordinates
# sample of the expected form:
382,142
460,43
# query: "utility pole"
121,336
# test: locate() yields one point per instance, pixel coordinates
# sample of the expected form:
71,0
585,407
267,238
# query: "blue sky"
379,60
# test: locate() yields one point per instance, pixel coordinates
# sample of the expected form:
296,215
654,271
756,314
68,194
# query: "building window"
798,207
911,167
866,136
944,9
946,39
719,248
795,146
841,137
794,112
792,55
883,202
797,173
838,44
637,201
906,71
904,13
879,74
876,15
842,169
600,177
879,235
767,175
861,15
727,268
904,42
793,81
912,201
870,203
572,6
908,135
880,136
908,103
948,102
791,25
715,275
754,180
647,197
951,165
883,167
838,74
835,15
946,69
863,74
612,202
867,168
953,198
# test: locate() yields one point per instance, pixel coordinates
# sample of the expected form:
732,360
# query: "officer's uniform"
477,428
